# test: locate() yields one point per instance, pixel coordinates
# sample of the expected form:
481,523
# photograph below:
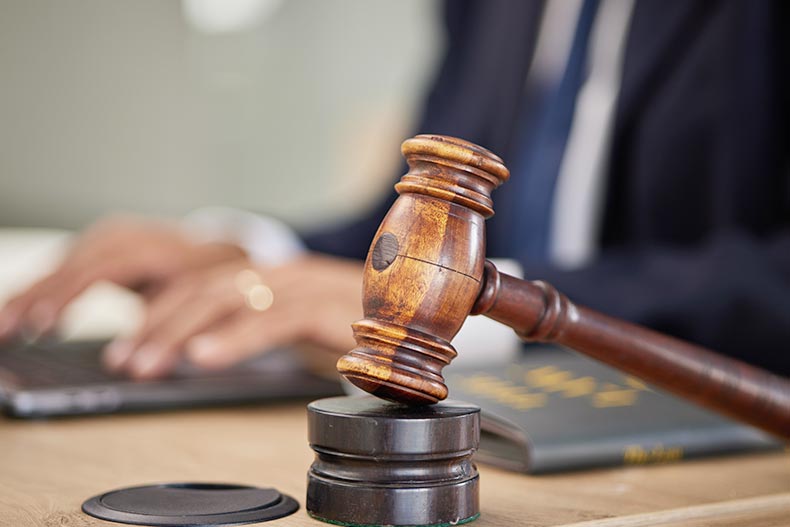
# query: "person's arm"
350,239
137,253
731,294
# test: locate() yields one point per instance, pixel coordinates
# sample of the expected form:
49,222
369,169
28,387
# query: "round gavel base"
381,463
190,505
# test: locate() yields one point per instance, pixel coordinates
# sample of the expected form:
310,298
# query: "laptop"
57,378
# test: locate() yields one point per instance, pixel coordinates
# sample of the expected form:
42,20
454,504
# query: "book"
553,410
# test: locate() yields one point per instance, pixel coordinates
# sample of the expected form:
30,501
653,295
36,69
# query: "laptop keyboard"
56,364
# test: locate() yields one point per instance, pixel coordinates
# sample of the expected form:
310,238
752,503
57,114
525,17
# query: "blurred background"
295,108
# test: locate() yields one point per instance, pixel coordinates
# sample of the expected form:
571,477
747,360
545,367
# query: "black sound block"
382,463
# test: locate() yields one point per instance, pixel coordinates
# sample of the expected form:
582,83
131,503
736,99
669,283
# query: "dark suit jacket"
696,235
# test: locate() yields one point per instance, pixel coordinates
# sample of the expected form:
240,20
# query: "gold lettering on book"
525,389
638,455
504,392
547,377
614,395
577,387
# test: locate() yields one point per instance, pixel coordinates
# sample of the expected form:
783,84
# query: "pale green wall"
121,105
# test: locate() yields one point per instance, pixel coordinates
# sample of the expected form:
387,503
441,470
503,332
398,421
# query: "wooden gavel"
426,272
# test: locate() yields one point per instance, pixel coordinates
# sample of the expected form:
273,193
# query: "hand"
132,252
206,318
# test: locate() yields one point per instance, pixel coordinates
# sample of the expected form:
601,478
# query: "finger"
16,313
42,304
152,361
169,337
161,350
33,308
180,296
244,335
9,324
163,305
116,357
45,304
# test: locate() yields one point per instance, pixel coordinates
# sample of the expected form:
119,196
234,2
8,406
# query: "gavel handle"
538,312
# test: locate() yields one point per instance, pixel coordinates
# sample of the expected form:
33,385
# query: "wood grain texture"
50,468
538,312
424,269
425,274
762,510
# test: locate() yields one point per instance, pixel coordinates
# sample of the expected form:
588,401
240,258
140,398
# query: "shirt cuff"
266,240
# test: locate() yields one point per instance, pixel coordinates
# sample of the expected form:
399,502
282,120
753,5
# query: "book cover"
555,410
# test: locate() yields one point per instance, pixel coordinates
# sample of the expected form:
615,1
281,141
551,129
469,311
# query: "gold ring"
257,295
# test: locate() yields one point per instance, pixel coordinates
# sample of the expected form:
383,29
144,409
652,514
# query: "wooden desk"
48,468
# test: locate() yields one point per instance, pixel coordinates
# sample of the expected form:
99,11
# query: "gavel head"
424,270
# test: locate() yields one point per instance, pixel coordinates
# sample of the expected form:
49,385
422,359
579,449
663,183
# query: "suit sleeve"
731,294
351,239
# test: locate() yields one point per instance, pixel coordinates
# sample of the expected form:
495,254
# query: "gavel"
426,272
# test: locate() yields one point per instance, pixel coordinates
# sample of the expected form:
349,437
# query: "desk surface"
48,468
